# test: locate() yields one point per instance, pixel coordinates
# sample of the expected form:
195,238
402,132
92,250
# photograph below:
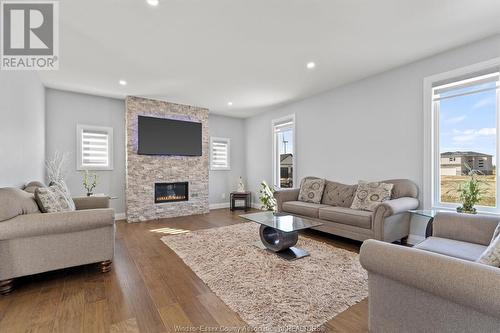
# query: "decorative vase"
241,186
89,194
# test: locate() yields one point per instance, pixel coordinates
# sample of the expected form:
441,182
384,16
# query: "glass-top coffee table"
279,232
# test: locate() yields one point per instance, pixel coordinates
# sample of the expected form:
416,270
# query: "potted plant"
470,192
267,198
89,182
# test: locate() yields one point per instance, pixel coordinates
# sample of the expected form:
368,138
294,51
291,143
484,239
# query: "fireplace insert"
171,192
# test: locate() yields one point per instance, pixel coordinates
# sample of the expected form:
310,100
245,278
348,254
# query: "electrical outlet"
223,195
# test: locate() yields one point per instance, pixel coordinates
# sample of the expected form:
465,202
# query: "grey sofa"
389,222
32,242
436,286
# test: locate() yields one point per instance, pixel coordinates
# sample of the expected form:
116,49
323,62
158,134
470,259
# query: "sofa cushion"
311,190
52,200
337,194
32,225
369,195
302,208
356,218
452,248
14,202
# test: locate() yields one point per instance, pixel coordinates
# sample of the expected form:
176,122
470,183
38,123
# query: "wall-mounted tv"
158,136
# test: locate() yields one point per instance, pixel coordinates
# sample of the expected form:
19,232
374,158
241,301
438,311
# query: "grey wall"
67,109
22,128
64,110
371,129
221,183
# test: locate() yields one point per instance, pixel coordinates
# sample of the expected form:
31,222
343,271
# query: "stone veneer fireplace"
146,171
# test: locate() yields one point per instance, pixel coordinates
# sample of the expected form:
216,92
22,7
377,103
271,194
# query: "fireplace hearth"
171,192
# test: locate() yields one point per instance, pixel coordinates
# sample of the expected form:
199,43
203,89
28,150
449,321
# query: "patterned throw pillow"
370,195
61,186
496,232
52,200
491,256
311,190
337,194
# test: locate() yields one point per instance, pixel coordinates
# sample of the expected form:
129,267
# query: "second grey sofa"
32,242
389,222
436,286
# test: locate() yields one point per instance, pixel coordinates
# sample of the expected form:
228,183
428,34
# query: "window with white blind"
220,154
94,147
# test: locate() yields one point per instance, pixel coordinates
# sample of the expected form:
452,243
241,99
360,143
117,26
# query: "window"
220,154
95,147
284,152
464,118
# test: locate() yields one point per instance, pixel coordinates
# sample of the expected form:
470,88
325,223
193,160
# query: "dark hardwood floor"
149,288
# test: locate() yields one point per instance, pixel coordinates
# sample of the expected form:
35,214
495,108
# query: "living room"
249,166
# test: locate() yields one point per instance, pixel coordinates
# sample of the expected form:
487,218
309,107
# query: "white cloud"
487,131
487,101
472,134
457,119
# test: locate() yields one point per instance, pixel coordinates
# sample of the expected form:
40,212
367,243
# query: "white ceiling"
252,52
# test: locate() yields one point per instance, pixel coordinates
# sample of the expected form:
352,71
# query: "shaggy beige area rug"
270,293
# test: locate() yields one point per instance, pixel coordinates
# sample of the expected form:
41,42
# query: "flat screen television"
158,136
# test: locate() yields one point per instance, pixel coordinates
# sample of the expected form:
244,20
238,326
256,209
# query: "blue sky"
287,136
469,122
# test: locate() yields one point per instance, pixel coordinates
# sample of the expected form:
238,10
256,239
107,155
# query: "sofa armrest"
390,208
396,206
284,195
31,225
460,281
82,203
465,227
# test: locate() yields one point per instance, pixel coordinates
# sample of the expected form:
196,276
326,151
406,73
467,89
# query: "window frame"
227,141
275,166
79,148
431,160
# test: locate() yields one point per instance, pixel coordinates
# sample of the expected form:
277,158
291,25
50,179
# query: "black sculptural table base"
281,242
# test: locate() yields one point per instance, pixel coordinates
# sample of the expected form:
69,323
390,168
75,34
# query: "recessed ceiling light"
153,3
122,82
310,65
229,103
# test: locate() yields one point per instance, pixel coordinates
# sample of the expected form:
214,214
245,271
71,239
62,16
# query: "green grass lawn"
449,186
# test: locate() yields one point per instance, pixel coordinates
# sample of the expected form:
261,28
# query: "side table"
240,196
430,213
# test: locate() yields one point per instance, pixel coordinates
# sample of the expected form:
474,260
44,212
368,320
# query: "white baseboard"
415,239
120,216
219,205
256,205
226,205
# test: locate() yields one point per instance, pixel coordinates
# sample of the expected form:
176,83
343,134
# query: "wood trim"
105,266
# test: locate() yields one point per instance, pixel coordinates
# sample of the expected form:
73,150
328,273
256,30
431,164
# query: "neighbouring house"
286,170
457,163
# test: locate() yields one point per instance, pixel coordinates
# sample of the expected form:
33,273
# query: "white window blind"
220,154
95,145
